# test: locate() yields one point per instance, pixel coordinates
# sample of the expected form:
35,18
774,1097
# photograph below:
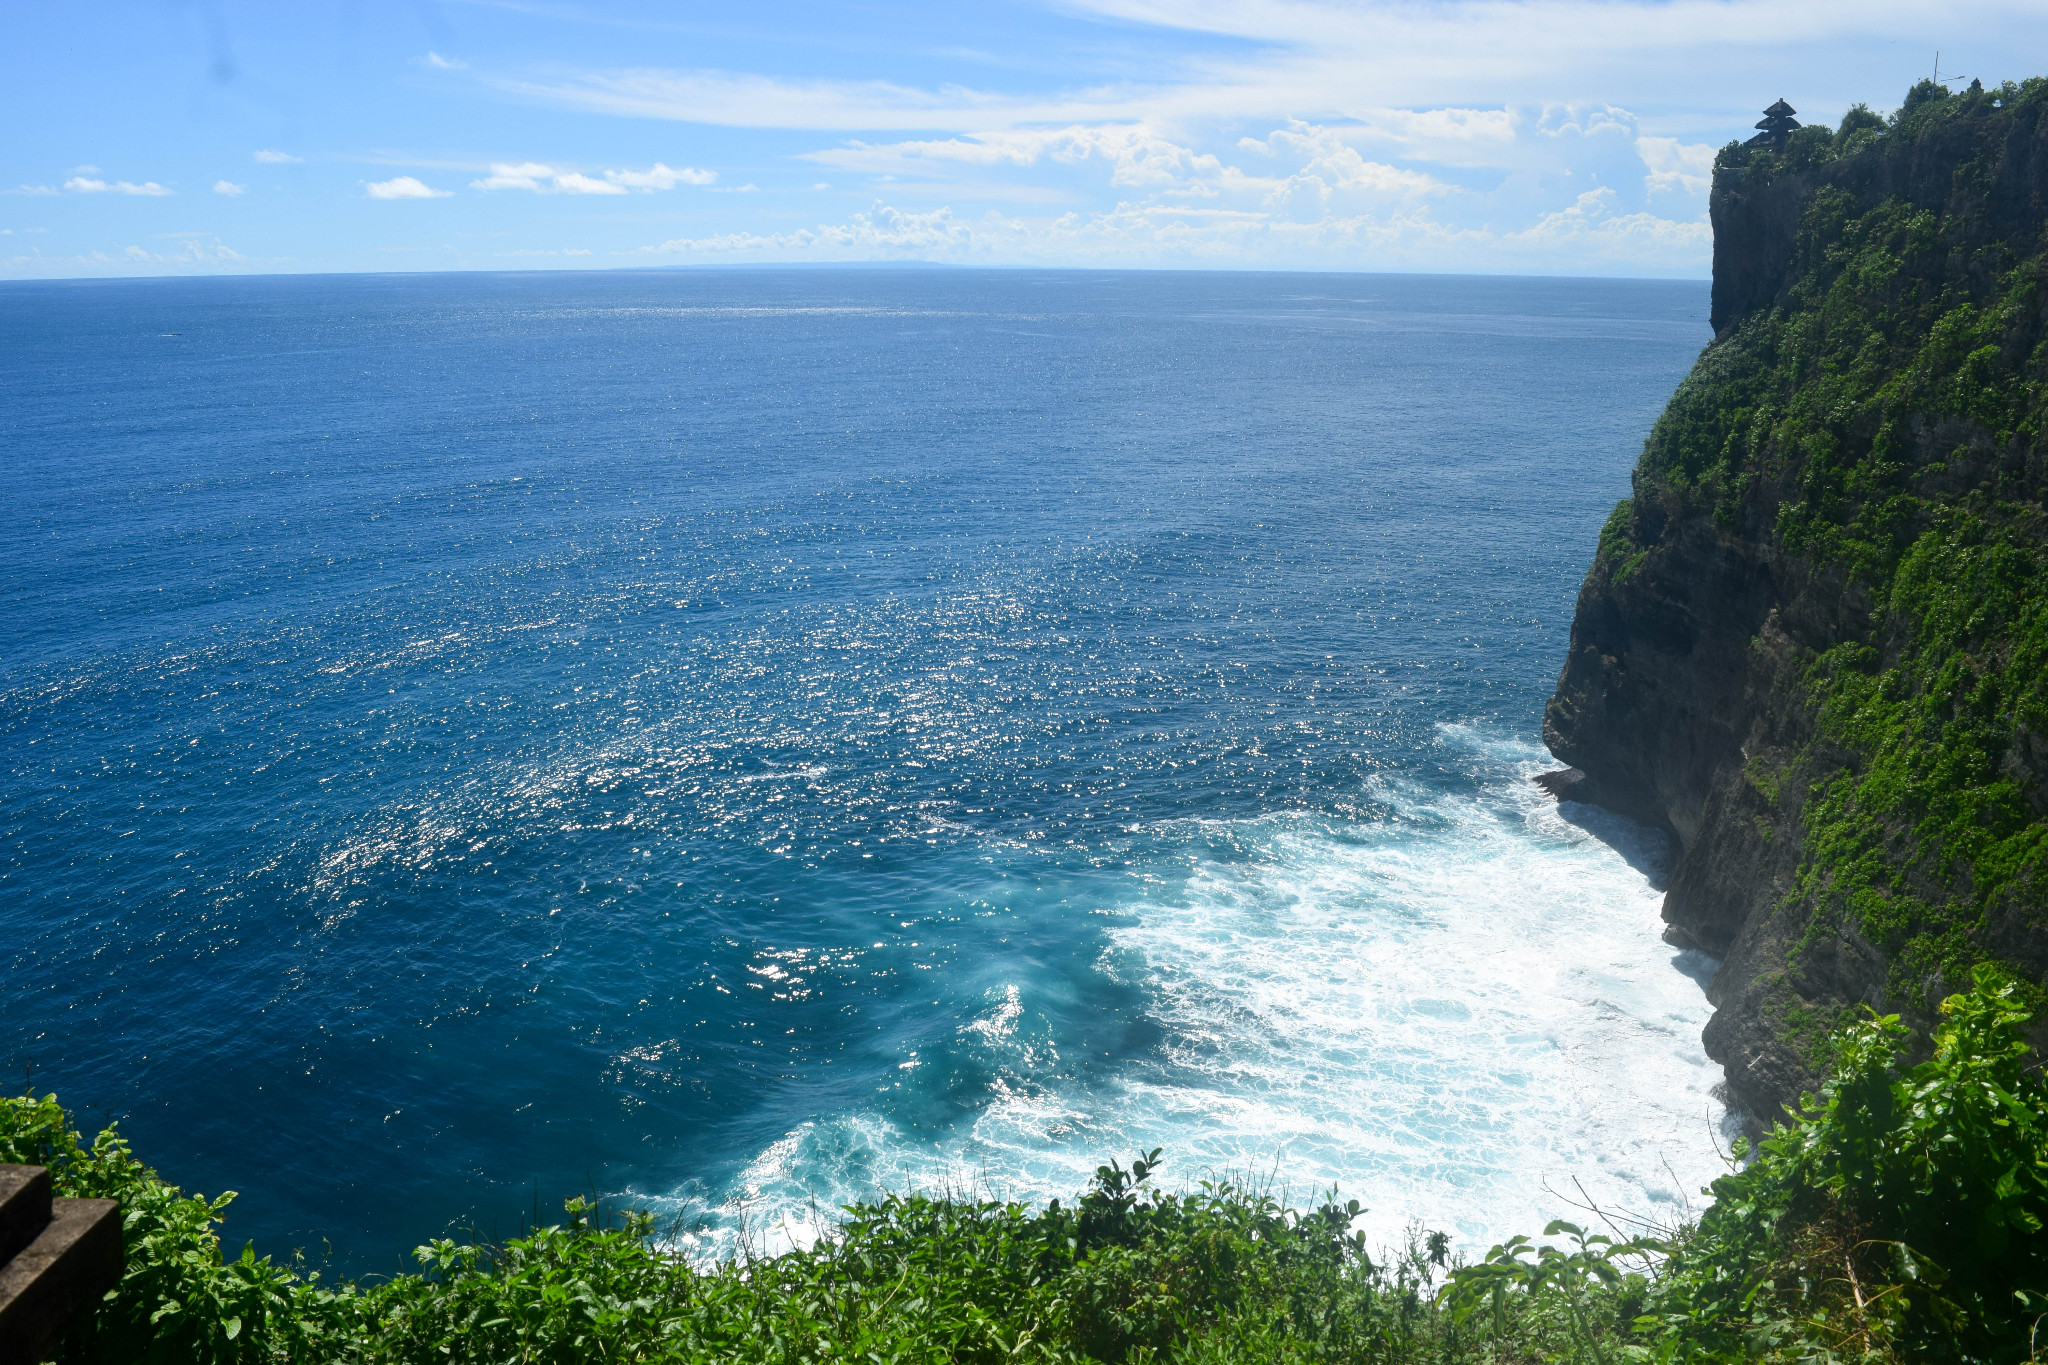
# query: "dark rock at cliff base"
1789,652
1561,783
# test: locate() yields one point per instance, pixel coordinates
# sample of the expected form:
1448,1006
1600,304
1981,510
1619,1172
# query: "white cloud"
1447,136
575,182
1591,120
1591,223
402,187
1331,164
541,179
1523,51
270,158
1674,165
1340,60
1300,194
191,251
1452,134
1587,236
1301,160
437,61
525,175
229,188
882,230
79,184
1135,155
660,177
32,189
739,99
85,170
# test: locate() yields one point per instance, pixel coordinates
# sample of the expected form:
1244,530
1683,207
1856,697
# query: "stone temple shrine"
1777,125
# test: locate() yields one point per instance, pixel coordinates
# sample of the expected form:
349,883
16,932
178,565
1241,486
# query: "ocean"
735,742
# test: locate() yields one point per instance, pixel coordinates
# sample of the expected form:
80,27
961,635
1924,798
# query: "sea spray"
1462,1011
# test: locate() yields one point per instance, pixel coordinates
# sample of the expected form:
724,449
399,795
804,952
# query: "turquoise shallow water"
742,740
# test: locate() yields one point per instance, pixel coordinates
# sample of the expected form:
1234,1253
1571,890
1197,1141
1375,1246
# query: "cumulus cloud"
1675,165
505,175
1136,157
660,177
1450,136
542,179
80,184
402,187
1301,193
270,158
1301,159
229,188
1135,154
1591,120
1329,164
575,182
1464,127
1592,223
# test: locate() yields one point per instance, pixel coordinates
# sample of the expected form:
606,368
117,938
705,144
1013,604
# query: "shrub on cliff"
1127,1273
1901,1215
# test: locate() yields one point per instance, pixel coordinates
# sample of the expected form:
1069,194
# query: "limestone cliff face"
1782,562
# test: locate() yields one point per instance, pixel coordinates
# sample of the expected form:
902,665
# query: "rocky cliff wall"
1814,644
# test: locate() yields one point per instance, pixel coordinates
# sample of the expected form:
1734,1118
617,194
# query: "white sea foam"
1453,1013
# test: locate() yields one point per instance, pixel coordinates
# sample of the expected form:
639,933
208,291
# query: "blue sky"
1526,136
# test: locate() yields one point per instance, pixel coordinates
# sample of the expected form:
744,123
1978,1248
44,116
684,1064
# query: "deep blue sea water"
743,740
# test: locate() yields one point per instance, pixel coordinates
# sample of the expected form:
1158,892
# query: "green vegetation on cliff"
1881,421
1899,1217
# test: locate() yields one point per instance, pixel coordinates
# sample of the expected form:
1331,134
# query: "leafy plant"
1573,1274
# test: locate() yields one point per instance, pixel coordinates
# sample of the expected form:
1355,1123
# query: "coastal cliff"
1813,645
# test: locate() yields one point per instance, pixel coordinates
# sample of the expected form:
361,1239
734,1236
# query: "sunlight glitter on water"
721,736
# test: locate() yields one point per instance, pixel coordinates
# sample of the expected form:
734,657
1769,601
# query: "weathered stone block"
71,1256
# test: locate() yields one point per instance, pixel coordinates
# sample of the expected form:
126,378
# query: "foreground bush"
1897,1217
1128,1273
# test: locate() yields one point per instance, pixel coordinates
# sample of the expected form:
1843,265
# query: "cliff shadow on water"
1813,645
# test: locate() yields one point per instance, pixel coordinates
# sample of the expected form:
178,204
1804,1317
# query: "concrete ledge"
24,1207
69,1267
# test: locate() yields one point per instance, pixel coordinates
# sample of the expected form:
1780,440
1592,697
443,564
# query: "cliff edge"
1813,645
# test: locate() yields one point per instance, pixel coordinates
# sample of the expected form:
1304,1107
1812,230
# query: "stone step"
24,1207
70,1263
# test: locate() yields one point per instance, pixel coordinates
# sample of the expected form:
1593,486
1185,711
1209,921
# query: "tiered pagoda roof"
1777,125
